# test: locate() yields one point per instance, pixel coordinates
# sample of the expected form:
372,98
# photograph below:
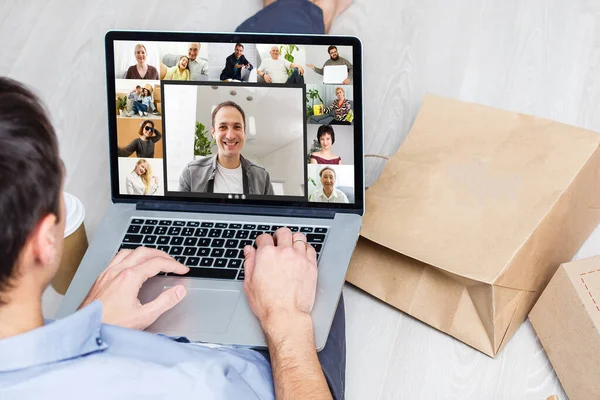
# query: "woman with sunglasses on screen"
143,146
141,181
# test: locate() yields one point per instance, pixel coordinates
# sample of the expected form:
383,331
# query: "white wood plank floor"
540,57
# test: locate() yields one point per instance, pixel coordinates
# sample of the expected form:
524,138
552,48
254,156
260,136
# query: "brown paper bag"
473,215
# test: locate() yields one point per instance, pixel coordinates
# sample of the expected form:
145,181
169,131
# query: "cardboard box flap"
470,184
585,275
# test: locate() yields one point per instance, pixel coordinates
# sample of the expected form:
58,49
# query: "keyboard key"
201,232
192,261
306,229
218,243
193,224
232,243
242,234
188,231
293,228
317,247
212,273
206,262
134,229
217,252
215,233
320,230
150,246
228,233
148,230
164,248
129,246
221,225
189,251
176,250
203,252
163,240
315,238
205,242
275,227
190,241
264,228
149,239
176,240
231,253
180,259
234,263
241,275
178,223
207,224
220,263
235,226
165,223
255,234
132,239
174,231
138,221
249,226
161,230
151,222
244,243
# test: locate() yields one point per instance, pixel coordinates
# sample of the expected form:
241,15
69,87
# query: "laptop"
166,192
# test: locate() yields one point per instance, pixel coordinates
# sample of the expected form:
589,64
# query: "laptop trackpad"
202,310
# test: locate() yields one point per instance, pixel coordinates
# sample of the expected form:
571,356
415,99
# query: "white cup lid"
75,213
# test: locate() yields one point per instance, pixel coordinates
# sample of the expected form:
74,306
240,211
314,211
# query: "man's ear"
44,242
212,132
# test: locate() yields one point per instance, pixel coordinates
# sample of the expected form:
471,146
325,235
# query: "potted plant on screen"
288,53
122,105
311,96
203,142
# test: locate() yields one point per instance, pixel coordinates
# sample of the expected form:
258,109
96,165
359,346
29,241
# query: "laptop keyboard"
211,249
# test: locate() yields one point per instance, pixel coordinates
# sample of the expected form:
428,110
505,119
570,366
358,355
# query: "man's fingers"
164,302
138,256
283,237
264,240
250,260
153,266
299,243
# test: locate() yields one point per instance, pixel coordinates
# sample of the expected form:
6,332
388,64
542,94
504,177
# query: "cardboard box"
566,318
472,216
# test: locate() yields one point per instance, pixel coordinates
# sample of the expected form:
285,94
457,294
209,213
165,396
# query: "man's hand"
281,276
311,66
267,78
119,285
301,70
238,66
346,81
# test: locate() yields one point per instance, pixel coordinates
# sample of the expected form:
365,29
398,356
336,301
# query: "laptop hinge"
240,209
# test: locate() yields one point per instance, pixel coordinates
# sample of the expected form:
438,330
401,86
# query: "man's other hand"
118,287
281,276
267,78
346,81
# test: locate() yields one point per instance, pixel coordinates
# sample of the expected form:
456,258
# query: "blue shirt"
78,357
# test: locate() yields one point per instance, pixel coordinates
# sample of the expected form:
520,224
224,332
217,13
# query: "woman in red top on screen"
141,70
326,137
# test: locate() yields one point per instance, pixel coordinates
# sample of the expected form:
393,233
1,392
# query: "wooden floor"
539,57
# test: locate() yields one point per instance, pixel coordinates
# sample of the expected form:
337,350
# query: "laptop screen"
260,119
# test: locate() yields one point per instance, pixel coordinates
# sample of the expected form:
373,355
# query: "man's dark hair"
239,45
229,104
327,169
326,130
331,48
31,172
138,87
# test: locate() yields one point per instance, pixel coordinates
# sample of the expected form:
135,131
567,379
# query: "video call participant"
274,69
228,171
143,102
135,93
342,108
234,64
326,137
179,72
141,70
143,147
328,193
141,181
198,67
335,59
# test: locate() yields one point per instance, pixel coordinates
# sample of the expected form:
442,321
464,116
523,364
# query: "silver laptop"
162,88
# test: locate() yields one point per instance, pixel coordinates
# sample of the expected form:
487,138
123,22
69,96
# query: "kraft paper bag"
473,215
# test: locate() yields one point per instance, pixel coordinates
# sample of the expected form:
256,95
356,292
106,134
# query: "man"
81,356
135,94
234,64
198,67
328,193
275,69
228,171
334,59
